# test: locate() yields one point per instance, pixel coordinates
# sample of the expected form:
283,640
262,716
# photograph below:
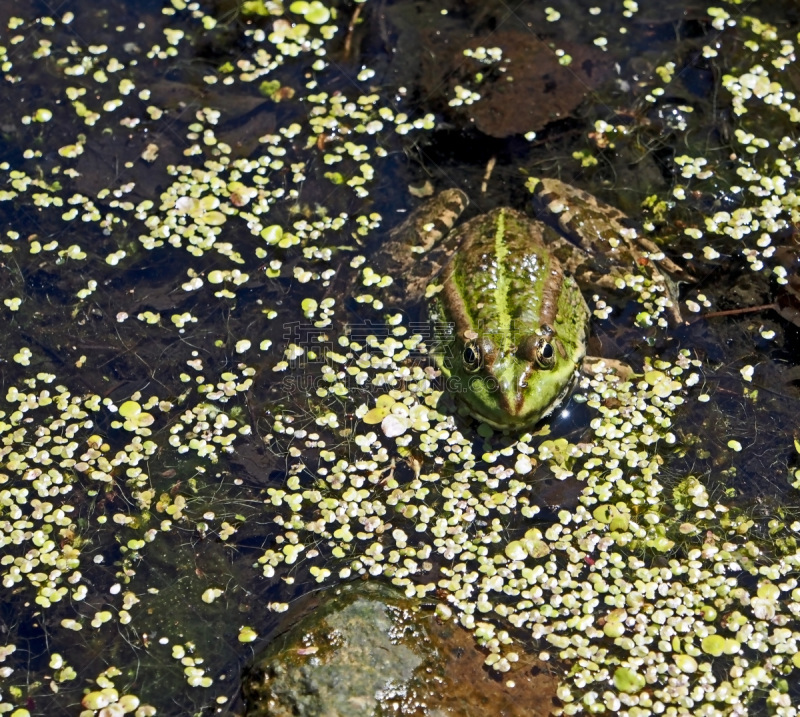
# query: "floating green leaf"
628,680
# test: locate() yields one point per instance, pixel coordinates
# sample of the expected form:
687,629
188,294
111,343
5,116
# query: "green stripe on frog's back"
502,284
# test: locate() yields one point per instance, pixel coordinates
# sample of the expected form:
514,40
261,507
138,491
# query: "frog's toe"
593,365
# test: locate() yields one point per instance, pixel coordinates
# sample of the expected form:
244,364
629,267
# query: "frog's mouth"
513,419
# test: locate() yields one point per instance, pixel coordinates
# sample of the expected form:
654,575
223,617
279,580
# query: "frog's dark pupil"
545,354
471,358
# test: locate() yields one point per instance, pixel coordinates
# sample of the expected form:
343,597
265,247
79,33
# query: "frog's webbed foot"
656,253
593,365
673,308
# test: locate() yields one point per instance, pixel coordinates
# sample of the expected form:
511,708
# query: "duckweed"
659,595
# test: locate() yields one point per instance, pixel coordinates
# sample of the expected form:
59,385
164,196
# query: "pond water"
212,405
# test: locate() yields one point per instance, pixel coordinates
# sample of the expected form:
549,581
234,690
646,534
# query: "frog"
504,294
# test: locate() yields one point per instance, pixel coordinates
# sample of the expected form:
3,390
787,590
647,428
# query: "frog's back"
505,272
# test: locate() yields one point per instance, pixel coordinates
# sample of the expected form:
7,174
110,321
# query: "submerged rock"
365,649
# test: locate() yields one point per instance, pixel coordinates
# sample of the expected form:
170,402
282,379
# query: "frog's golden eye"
538,350
471,357
545,354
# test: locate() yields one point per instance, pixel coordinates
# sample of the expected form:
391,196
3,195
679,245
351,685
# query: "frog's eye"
538,350
472,357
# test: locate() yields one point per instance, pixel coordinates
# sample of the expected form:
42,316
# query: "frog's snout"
512,394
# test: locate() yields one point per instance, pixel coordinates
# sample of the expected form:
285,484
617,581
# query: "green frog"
506,294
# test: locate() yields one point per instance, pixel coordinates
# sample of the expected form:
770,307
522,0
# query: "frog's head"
513,385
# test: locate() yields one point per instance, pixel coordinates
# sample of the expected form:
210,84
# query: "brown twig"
734,312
